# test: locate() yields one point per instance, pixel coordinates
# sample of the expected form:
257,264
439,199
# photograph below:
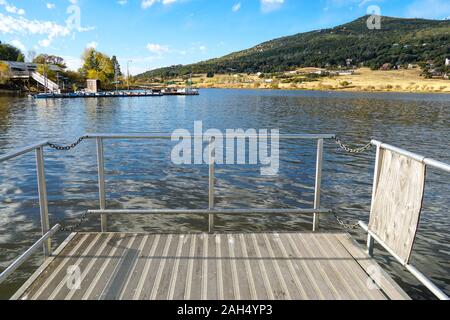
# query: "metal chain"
75,227
367,147
344,224
348,149
68,147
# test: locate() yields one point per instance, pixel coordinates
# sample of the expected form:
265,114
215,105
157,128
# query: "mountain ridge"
400,41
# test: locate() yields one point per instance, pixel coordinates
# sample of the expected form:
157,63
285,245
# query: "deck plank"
101,279
315,268
387,285
63,289
57,275
241,266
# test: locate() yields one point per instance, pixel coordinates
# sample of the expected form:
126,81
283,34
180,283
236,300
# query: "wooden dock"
260,266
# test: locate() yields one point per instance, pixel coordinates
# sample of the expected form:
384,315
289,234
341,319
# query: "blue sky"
155,33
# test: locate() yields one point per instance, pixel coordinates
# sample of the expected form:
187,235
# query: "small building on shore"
92,85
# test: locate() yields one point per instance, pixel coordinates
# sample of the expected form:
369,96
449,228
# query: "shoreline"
323,90
5,93
359,80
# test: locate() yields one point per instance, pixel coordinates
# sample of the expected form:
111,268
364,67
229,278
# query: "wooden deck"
263,266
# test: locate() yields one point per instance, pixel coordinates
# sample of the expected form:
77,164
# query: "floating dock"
262,266
113,94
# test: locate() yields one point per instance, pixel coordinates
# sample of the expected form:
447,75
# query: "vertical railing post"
43,201
370,240
101,183
318,185
211,190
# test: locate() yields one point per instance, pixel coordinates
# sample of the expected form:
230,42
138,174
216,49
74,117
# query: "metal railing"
372,237
47,233
211,211
46,82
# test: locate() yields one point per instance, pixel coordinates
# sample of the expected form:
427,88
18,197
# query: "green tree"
4,73
10,53
50,59
97,65
20,57
89,60
116,65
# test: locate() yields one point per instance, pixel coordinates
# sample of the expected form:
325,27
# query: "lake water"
140,175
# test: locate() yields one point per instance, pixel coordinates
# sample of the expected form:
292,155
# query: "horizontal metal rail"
22,151
27,254
416,273
208,212
100,137
168,137
422,159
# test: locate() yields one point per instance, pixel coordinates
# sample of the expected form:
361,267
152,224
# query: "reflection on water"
140,175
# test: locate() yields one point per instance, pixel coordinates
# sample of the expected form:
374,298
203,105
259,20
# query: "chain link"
85,214
348,149
68,147
75,227
344,224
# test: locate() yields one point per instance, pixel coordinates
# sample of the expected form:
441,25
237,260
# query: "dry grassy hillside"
363,79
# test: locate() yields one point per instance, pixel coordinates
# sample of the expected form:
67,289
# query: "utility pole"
128,73
45,75
116,75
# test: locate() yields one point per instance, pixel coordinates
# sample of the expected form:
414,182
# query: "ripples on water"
140,175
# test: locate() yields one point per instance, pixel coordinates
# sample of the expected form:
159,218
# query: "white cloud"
271,5
122,2
45,43
343,3
236,7
157,48
50,5
92,45
16,43
11,8
145,4
73,63
430,9
23,26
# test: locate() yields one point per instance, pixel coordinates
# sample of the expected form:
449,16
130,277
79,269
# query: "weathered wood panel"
264,266
398,202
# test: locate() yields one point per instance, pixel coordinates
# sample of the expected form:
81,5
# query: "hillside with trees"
399,42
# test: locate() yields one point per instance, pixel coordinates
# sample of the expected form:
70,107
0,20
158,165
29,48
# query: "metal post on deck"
318,185
101,183
370,240
43,201
211,189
